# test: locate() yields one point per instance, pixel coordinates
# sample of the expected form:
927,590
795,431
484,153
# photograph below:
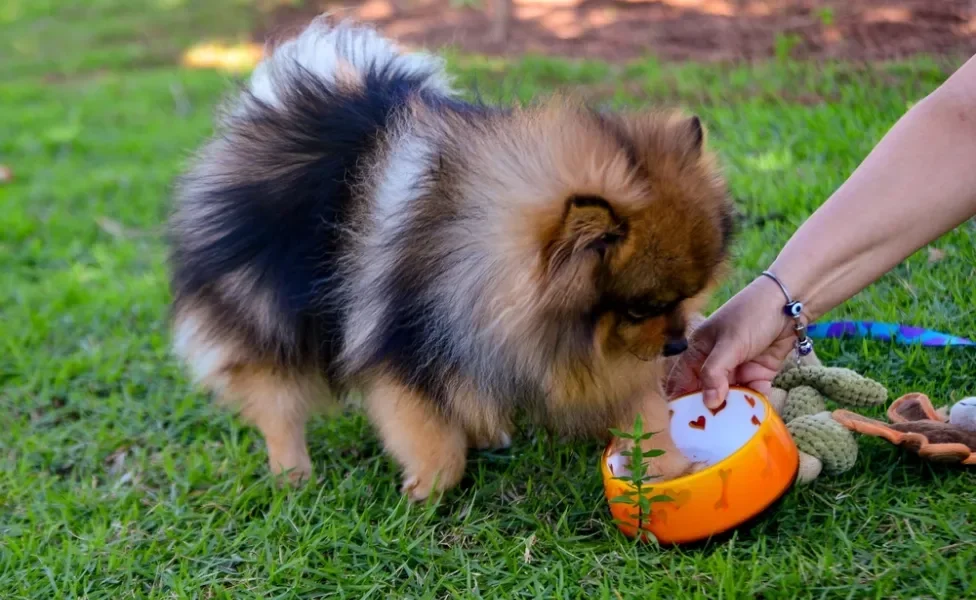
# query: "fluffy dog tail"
255,236
344,53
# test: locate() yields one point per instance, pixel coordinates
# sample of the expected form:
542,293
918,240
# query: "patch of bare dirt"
701,30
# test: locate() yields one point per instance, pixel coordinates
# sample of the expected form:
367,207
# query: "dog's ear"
695,133
589,228
662,133
687,134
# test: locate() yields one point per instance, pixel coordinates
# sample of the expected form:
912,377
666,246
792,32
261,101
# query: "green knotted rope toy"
800,394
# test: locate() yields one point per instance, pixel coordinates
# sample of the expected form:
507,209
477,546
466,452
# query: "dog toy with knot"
800,394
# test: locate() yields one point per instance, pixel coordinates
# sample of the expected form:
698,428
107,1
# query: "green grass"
117,479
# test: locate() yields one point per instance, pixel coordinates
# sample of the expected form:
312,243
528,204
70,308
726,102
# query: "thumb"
717,372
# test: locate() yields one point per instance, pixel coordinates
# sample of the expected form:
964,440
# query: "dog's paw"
500,440
415,489
419,484
297,471
418,489
672,465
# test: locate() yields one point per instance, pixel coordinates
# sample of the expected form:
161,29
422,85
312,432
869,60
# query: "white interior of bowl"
706,435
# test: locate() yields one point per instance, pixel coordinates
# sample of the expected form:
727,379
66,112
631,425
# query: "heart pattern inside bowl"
711,435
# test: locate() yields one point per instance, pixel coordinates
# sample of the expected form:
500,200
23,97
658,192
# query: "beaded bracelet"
794,310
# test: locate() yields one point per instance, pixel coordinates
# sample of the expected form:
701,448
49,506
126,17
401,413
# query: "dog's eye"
643,312
635,315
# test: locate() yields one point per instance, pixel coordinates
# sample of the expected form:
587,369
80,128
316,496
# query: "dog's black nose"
675,347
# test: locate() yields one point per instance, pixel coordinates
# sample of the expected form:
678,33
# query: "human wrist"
799,274
761,305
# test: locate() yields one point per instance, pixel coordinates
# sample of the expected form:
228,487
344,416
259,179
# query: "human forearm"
917,184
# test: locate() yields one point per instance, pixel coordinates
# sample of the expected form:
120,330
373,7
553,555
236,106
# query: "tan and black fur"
353,224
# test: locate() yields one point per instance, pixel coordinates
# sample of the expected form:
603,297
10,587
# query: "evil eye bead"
804,347
793,309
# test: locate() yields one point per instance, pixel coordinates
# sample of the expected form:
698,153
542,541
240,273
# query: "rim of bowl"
685,479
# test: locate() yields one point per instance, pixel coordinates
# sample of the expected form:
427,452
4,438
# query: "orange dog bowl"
752,462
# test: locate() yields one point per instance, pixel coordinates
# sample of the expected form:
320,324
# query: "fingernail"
710,397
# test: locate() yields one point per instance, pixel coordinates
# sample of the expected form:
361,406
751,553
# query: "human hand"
743,343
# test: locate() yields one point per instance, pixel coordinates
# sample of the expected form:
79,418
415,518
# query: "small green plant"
784,45
826,15
639,494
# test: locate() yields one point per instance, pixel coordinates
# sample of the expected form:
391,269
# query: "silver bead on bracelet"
794,310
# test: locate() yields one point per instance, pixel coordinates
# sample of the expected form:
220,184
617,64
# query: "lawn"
118,479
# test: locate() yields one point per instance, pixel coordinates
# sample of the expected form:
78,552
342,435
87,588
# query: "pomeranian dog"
353,224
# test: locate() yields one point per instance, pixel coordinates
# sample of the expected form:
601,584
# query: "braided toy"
800,394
